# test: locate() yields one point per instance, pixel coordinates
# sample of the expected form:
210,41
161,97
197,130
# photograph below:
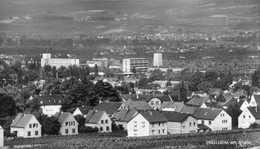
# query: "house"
69,125
249,116
51,104
180,122
240,94
109,107
83,111
26,126
241,103
255,100
100,120
1,137
197,101
147,123
214,118
123,116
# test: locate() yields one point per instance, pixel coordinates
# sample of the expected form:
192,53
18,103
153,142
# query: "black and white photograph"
129,74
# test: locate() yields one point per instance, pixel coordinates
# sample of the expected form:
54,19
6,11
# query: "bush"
254,125
90,130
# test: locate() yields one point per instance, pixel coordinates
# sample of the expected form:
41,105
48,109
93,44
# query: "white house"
215,119
26,126
123,116
69,125
1,136
249,116
51,104
100,120
147,123
180,122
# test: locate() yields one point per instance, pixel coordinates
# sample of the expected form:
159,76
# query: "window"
107,128
135,130
67,123
194,123
28,133
36,133
106,121
30,125
35,125
73,130
159,124
151,103
249,116
163,131
102,121
152,131
190,123
143,124
244,116
157,103
101,128
202,121
66,131
159,131
209,122
224,121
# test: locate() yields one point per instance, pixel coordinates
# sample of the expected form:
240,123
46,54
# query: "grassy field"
228,139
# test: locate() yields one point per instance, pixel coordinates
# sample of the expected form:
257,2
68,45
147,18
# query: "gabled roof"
94,116
207,113
138,105
125,115
153,116
64,116
198,101
255,111
54,99
175,116
109,107
21,120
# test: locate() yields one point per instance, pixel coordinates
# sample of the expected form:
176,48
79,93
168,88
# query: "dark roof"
240,93
207,113
153,116
21,120
203,127
54,99
125,115
84,110
197,101
175,116
188,110
109,107
94,116
63,117
255,111
234,101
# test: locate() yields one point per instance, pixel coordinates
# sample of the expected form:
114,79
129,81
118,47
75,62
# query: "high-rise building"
57,62
157,59
137,64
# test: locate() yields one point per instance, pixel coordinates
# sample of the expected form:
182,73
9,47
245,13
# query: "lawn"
228,139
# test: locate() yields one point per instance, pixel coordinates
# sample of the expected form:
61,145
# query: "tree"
168,83
255,78
50,125
7,106
81,120
183,92
106,91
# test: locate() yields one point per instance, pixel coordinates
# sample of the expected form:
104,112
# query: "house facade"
147,123
1,136
69,125
155,103
215,119
100,120
26,126
51,104
249,116
180,123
